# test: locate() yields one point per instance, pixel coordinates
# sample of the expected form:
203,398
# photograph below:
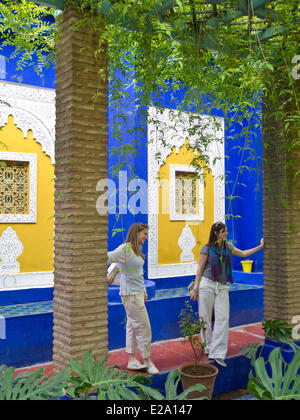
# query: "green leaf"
284,382
171,385
269,66
77,368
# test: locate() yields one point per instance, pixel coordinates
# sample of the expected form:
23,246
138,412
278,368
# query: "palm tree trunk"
80,287
281,221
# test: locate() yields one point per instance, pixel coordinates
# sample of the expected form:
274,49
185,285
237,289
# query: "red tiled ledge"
168,355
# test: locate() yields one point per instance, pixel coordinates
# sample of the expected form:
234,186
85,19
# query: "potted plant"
194,373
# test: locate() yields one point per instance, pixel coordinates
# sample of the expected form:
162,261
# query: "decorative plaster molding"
173,270
31,216
26,280
168,129
33,108
10,249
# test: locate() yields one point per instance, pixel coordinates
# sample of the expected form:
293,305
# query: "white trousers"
214,296
138,328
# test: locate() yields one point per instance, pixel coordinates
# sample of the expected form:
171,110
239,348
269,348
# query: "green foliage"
108,382
30,385
24,26
167,55
111,383
192,51
191,326
278,330
274,379
275,329
87,380
283,381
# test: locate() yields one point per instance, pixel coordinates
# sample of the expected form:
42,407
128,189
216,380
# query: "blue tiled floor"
26,309
47,307
183,291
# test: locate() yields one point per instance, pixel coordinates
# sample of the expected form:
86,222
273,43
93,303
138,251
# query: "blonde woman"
133,294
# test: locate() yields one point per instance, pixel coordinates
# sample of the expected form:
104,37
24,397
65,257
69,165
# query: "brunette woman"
212,290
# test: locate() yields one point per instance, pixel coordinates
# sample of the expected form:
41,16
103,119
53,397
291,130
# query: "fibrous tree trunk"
281,221
80,288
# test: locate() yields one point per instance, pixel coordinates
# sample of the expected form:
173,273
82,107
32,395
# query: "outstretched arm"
239,253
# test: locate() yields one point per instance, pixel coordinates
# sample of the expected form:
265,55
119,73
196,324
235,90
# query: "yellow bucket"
247,266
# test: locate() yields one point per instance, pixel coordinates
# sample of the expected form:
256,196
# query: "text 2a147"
159,409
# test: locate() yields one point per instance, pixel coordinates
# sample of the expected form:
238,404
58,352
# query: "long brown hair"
215,229
132,237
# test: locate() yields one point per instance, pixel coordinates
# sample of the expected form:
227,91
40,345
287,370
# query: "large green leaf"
31,385
171,387
284,381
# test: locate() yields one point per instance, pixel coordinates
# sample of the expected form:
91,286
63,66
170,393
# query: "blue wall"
246,307
245,229
23,345
28,340
243,168
243,176
27,76
29,328
243,181
19,297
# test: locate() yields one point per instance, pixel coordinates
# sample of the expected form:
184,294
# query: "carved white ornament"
31,158
186,243
166,129
33,108
10,249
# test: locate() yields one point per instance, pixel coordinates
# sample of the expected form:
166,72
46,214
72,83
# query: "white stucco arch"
33,108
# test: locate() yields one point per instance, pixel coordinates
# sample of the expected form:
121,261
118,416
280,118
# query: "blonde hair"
133,239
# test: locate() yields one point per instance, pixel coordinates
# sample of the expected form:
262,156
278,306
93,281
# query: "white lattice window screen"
14,184
185,193
18,187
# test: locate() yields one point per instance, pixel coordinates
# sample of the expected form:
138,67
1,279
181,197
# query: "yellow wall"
169,231
37,238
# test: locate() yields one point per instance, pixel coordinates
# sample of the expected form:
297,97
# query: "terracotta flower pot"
203,373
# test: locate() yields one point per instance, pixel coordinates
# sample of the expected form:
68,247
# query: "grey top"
131,268
207,269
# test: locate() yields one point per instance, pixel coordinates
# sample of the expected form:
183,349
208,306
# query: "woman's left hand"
145,296
262,242
194,294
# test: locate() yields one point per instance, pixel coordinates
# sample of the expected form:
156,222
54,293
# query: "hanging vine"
211,56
